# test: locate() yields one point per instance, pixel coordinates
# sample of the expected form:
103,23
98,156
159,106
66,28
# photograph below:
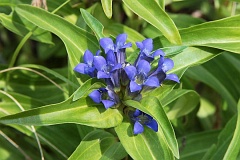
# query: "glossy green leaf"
21,26
147,145
115,151
155,15
107,7
186,101
234,147
222,34
84,111
153,107
75,39
88,85
93,145
93,23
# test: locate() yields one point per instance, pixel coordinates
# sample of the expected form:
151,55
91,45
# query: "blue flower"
139,76
118,48
146,47
141,119
164,65
106,96
87,67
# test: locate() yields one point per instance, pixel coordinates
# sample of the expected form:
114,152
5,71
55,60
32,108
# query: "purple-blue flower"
106,96
118,48
139,76
146,47
87,67
140,119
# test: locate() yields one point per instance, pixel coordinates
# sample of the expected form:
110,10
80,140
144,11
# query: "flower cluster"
124,80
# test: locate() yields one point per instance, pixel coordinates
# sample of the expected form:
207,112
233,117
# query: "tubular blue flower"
146,47
106,96
87,67
140,119
139,76
118,48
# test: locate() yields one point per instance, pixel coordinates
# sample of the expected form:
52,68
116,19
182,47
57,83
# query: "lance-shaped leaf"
107,7
156,16
152,106
84,111
147,145
75,39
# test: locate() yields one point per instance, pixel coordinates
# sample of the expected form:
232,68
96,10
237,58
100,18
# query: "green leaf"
115,151
222,34
107,7
75,39
21,26
152,106
155,15
93,145
149,144
184,102
93,23
88,85
84,111
234,147
195,145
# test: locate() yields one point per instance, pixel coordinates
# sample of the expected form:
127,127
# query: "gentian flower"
146,47
141,119
106,96
87,67
118,48
139,76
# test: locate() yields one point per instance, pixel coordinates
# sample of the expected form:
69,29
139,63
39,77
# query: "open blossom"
126,81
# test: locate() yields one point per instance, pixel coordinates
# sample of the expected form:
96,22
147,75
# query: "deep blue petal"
135,87
158,52
107,44
81,68
143,67
120,40
131,72
95,96
111,58
167,65
139,45
99,62
152,82
88,57
101,74
108,103
138,128
153,125
137,113
148,45
127,45
98,53
172,77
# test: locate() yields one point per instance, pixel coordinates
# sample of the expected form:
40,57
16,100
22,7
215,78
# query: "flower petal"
138,128
172,77
81,68
148,45
101,74
108,103
139,45
127,45
99,62
88,57
167,65
120,40
135,87
107,44
137,113
95,96
153,125
111,58
152,82
158,52
143,67
131,72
